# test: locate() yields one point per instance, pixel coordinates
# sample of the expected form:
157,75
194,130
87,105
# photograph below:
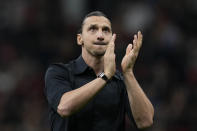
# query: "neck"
96,63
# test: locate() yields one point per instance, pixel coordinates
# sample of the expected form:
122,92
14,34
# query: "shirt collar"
80,66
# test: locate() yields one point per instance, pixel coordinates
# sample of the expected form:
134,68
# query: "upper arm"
127,108
56,84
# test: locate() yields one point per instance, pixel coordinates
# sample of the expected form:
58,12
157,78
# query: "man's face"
96,34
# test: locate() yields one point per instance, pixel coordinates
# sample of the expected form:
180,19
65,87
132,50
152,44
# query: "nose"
100,36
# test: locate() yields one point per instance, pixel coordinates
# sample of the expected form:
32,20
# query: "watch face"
102,74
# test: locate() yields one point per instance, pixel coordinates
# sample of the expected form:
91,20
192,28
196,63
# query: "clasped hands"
128,60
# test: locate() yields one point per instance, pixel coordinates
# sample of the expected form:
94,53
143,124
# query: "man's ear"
79,39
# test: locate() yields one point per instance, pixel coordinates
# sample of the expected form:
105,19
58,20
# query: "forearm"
74,100
141,107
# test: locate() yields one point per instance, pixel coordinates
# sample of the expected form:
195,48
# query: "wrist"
103,76
128,73
108,75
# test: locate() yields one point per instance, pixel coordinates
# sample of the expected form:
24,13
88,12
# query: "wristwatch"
103,76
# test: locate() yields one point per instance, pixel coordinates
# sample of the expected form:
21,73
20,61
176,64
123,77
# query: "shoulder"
58,70
56,67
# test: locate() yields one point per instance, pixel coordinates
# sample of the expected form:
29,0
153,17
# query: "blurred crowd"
34,34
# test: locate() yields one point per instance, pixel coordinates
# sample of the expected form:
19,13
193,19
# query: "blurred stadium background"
35,33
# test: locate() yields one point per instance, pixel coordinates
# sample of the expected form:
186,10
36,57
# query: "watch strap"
103,76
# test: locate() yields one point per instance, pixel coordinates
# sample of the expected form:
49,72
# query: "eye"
106,29
93,28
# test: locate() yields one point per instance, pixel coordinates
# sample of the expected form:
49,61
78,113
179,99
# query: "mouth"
100,43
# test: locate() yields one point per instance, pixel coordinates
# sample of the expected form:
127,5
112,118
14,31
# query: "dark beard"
96,54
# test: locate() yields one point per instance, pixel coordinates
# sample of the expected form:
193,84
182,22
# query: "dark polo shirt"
105,112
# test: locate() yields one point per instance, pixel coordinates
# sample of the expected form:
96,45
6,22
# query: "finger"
135,37
111,43
135,44
112,39
140,37
129,48
110,47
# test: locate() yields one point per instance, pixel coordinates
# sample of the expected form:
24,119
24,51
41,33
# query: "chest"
107,101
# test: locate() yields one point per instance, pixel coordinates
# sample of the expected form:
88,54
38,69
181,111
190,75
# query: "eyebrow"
96,25
93,25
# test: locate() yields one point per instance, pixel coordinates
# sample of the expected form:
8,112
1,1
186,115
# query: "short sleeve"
57,82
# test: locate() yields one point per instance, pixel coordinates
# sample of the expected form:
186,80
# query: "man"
89,94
